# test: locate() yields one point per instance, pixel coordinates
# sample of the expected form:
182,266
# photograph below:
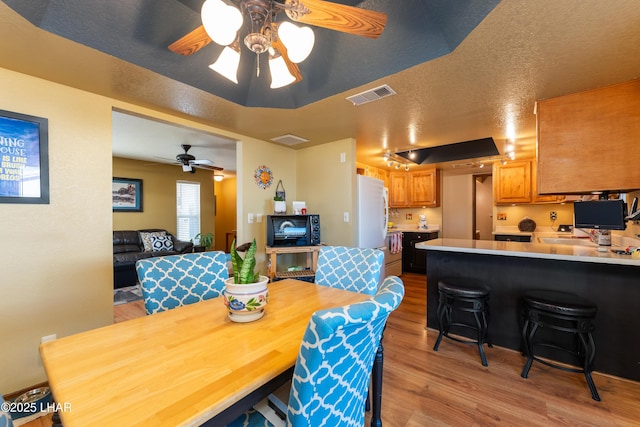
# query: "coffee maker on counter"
422,222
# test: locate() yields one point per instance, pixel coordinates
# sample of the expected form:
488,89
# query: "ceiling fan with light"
189,162
286,43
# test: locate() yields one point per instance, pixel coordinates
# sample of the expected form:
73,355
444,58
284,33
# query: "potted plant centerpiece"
246,293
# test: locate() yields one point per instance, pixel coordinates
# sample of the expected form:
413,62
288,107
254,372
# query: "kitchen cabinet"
373,172
537,197
414,189
415,260
587,141
424,188
398,190
512,182
516,182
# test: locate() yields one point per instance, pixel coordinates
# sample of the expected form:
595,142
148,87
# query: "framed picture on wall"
24,158
126,195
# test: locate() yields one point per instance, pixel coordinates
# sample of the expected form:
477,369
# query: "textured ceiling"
487,86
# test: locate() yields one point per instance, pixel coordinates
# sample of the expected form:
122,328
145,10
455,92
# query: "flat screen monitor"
600,214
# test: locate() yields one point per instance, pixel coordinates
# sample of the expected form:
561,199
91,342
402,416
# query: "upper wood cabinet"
537,197
515,182
588,141
414,189
372,171
425,188
398,190
512,182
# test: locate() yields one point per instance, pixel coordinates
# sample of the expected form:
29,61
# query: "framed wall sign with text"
24,158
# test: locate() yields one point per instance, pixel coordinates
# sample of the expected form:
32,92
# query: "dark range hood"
476,148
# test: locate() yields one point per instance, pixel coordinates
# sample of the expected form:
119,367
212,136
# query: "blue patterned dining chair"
331,375
176,280
352,269
5,417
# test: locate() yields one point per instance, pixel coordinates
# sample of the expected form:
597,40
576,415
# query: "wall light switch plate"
259,217
250,218
47,338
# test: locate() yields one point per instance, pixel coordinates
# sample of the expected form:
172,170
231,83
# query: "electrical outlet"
553,215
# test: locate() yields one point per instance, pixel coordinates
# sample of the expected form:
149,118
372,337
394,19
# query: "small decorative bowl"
246,302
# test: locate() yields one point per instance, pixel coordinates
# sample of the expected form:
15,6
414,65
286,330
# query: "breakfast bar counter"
510,269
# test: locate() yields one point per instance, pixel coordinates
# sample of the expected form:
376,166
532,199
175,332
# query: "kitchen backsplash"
541,215
401,216
514,214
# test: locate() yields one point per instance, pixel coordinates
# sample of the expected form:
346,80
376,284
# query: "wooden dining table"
185,366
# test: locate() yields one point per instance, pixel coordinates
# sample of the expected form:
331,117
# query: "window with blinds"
188,209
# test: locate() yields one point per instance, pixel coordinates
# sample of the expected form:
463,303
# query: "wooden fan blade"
191,43
340,17
291,66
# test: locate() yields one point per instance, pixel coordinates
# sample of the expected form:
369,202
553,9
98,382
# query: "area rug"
128,294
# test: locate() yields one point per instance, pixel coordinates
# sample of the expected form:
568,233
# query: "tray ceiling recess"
140,32
477,148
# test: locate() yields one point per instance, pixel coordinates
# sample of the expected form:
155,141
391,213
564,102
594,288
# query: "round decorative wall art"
263,177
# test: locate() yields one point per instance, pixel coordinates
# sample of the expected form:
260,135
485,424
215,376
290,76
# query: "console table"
312,261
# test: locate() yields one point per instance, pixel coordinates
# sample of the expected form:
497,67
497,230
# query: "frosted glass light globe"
221,21
299,41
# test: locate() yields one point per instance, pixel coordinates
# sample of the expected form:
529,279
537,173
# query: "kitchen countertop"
583,253
413,228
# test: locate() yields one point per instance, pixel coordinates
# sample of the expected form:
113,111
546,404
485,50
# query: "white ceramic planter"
279,207
246,302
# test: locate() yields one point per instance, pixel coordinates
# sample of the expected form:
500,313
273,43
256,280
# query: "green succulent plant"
243,268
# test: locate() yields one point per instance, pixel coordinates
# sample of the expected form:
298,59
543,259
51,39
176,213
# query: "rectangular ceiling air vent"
371,95
289,139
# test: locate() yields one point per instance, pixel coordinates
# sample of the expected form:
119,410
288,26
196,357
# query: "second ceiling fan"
189,162
286,43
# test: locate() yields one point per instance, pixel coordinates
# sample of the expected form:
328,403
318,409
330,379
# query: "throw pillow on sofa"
147,237
161,243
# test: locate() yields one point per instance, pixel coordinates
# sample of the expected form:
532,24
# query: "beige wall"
56,258
253,199
328,186
57,273
159,195
225,211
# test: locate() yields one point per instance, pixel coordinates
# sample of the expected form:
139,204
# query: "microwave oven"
293,230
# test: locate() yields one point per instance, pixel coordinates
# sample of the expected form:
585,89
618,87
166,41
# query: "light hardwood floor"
451,388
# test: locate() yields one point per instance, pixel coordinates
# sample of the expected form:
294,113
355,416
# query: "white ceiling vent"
289,139
371,95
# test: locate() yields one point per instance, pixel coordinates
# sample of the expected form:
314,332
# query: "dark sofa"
128,247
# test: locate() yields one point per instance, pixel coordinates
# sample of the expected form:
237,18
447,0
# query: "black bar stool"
567,313
464,296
